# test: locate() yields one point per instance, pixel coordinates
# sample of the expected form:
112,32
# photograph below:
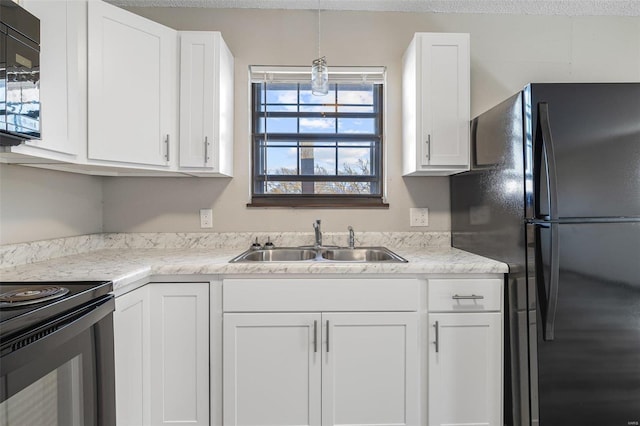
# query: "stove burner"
30,295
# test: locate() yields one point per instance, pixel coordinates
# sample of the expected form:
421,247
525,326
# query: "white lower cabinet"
162,355
465,353
132,323
320,368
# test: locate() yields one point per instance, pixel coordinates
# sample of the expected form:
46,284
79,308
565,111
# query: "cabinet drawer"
460,295
320,295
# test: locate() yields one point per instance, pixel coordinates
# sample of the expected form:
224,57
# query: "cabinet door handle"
428,143
327,336
166,143
315,336
437,341
206,150
472,297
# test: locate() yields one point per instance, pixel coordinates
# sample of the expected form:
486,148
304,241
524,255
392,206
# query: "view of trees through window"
317,145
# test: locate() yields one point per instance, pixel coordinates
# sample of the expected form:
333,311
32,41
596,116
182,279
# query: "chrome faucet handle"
256,245
352,237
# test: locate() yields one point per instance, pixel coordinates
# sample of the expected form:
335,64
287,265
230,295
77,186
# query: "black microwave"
19,74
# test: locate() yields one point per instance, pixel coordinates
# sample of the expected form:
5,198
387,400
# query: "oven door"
61,373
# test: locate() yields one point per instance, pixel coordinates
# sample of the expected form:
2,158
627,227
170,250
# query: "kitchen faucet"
352,237
318,231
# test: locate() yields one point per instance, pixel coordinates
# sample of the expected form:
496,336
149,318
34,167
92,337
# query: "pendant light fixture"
319,70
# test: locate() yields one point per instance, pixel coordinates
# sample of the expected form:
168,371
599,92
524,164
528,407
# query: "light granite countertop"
125,264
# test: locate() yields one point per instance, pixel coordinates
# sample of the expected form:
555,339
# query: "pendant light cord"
319,29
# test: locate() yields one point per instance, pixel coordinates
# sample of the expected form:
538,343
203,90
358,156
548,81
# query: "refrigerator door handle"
548,300
550,159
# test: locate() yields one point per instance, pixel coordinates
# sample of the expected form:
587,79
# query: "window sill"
315,202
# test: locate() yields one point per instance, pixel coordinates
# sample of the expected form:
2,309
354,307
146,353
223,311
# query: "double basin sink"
320,254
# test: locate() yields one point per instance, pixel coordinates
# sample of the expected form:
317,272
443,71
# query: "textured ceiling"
522,7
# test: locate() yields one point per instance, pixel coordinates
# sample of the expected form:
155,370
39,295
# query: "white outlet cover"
206,218
418,216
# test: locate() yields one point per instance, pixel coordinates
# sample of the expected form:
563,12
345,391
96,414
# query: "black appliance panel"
594,133
57,358
588,340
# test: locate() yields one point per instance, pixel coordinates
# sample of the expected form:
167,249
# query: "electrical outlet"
206,218
418,217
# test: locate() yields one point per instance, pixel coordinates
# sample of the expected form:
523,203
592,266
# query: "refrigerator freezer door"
589,374
595,131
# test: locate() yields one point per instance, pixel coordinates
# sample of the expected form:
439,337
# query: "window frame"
377,176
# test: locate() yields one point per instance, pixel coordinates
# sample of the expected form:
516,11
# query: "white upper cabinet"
436,104
62,80
132,98
206,103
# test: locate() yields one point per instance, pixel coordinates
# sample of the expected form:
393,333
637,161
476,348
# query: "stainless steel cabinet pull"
437,341
166,143
428,142
472,297
315,336
327,336
206,150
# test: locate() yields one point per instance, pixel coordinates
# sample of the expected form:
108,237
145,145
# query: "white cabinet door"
370,369
465,369
132,87
206,102
272,369
180,354
131,321
436,104
62,79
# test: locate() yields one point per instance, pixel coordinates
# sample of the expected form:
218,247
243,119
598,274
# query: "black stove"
25,304
62,327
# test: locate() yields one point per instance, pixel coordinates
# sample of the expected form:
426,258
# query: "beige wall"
37,204
507,51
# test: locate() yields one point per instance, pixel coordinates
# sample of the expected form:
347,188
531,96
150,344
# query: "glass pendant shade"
320,77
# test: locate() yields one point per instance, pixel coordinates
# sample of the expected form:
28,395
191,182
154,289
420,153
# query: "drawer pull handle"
327,336
437,341
315,336
472,297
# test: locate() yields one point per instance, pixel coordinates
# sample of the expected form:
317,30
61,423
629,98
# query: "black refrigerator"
554,192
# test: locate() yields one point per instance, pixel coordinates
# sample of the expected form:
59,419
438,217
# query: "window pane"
306,97
355,188
281,125
281,108
317,125
318,108
279,93
354,161
357,125
281,161
356,109
317,161
355,94
283,188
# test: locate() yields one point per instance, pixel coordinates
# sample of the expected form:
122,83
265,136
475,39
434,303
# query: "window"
317,150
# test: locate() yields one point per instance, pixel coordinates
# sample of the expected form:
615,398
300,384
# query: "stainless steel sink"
322,254
364,254
284,254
